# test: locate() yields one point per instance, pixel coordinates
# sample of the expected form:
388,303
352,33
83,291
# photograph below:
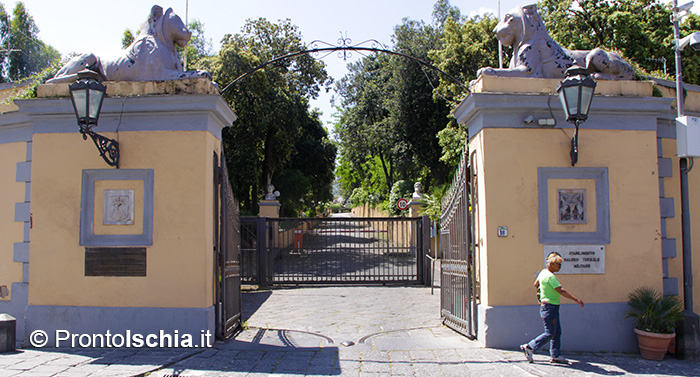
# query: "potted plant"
656,318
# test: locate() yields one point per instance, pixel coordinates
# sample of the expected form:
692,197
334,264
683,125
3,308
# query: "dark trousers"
552,330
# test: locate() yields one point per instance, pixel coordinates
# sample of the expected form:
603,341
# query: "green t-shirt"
548,285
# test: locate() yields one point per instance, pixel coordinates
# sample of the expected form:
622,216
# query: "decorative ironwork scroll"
344,49
109,148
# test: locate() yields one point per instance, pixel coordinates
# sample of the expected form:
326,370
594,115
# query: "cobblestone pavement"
334,331
71,362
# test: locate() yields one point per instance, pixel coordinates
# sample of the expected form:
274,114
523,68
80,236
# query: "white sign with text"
579,259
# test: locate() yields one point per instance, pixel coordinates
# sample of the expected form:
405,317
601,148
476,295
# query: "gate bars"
228,256
334,250
459,278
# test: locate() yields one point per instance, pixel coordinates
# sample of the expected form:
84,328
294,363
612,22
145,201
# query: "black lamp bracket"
574,145
109,148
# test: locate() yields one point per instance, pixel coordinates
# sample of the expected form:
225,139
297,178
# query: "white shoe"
558,360
528,352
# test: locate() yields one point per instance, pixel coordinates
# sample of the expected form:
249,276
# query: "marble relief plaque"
572,206
119,207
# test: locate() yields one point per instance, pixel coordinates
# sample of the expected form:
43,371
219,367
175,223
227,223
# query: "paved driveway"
334,331
380,331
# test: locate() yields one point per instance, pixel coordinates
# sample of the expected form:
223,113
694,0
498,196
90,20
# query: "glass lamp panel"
586,99
95,103
571,94
79,97
562,99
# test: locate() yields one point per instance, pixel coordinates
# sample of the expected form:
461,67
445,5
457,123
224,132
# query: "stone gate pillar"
128,249
603,215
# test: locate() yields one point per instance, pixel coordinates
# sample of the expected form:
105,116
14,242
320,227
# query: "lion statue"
152,56
536,54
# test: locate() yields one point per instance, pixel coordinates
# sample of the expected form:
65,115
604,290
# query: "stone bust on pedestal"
417,194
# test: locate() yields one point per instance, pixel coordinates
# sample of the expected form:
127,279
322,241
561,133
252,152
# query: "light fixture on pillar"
87,94
576,93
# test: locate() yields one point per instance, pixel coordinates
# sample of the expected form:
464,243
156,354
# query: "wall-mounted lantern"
87,94
576,94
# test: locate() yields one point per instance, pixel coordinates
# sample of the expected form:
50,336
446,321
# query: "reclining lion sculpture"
152,56
536,54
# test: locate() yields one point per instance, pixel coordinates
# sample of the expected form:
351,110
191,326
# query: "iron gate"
335,250
459,277
228,268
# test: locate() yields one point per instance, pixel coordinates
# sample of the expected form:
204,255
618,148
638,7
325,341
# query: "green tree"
400,189
272,104
128,38
348,179
467,45
368,176
417,114
359,196
452,140
26,53
690,59
4,40
637,29
443,11
389,113
364,129
307,179
198,47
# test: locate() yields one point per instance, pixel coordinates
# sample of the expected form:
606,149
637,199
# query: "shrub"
654,312
400,189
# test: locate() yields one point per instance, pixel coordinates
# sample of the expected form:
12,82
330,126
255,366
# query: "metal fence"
459,277
334,250
249,250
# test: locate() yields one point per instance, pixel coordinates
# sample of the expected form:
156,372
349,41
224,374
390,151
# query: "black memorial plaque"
115,261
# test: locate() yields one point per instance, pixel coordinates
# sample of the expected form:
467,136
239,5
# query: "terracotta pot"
653,346
672,345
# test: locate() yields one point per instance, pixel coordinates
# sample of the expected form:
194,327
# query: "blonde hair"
554,258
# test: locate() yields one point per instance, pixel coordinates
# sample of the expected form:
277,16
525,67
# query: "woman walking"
550,292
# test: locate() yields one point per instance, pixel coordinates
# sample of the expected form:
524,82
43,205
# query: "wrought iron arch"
344,49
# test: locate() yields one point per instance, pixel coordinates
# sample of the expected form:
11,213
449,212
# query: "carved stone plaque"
119,207
572,206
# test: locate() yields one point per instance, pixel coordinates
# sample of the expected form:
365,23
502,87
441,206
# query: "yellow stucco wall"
476,157
694,191
672,188
180,261
11,231
507,162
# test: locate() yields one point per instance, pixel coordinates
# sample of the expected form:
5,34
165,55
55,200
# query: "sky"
66,24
